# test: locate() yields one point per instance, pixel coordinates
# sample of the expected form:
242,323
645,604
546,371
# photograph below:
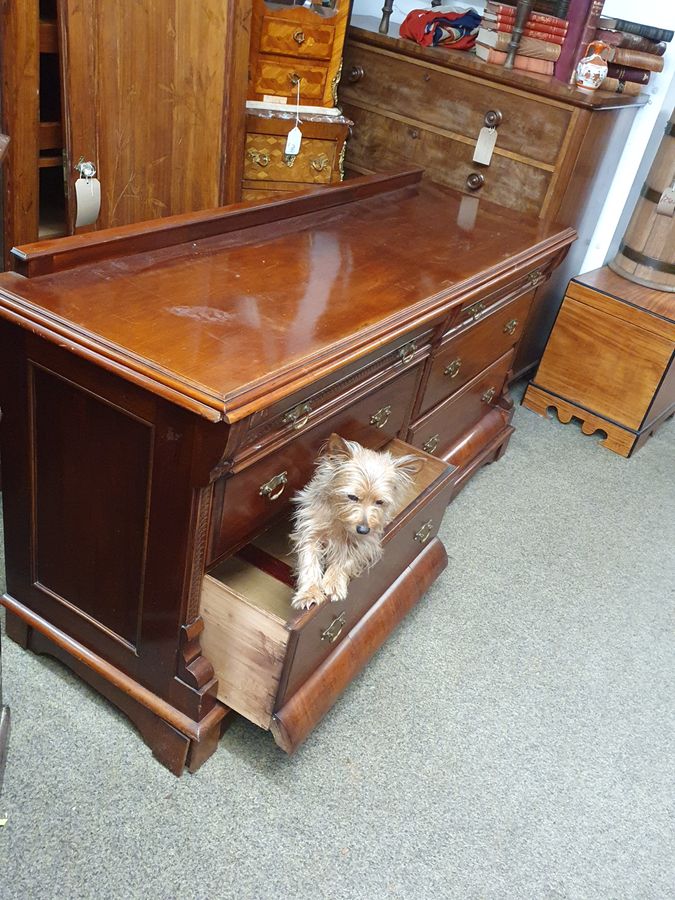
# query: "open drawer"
264,652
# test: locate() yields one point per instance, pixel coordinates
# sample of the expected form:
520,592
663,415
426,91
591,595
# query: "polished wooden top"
658,303
365,29
227,323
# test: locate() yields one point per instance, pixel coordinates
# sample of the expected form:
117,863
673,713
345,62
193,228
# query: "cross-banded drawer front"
289,38
460,358
281,77
265,159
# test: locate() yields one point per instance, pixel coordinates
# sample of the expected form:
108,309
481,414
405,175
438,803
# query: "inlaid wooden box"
609,360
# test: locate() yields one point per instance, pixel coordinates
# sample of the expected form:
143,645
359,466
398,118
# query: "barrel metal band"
650,194
657,264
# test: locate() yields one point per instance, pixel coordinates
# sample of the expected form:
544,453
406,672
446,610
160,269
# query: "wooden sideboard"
166,389
556,151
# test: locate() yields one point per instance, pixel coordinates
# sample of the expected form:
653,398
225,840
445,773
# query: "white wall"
613,210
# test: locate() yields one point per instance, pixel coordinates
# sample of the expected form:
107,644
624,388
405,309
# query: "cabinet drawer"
380,143
464,354
288,38
252,497
440,428
279,77
264,160
263,650
452,103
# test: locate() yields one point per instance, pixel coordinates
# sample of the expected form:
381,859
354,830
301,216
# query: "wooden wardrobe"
152,93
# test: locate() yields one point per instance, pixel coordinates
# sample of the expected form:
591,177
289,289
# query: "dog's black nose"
362,529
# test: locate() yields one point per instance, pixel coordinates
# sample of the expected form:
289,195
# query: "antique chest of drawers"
555,151
610,360
167,387
269,170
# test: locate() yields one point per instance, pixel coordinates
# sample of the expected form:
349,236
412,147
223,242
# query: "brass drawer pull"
424,532
510,326
294,78
406,353
475,181
430,445
259,157
493,118
289,159
381,417
298,416
488,396
299,37
334,630
453,368
533,277
274,488
320,163
473,311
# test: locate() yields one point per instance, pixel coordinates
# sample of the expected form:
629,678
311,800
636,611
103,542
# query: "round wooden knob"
475,181
356,73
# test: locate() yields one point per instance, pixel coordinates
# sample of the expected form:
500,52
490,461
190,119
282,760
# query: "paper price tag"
487,138
87,201
666,204
293,142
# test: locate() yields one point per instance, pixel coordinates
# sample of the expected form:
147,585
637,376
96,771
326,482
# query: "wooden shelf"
50,136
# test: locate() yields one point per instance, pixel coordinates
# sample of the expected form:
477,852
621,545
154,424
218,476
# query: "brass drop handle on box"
473,311
334,630
320,163
488,396
424,532
510,326
299,37
356,73
453,368
407,351
259,157
298,416
381,417
274,488
430,445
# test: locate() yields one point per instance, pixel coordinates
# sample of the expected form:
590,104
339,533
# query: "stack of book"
633,52
539,47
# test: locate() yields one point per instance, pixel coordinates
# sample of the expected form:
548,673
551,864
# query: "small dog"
341,515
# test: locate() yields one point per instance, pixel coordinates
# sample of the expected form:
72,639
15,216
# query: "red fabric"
414,28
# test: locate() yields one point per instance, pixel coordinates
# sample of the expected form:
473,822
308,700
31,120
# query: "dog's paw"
312,596
335,587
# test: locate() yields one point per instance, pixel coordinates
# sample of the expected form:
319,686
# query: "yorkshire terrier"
341,515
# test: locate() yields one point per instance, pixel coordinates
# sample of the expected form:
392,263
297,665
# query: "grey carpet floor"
514,738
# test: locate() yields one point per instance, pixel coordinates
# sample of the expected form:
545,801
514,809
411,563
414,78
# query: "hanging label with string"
294,138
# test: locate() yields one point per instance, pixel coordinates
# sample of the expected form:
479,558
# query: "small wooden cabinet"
610,360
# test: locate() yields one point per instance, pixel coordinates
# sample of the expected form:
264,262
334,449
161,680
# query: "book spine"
509,12
507,28
615,86
646,31
583,22
524,63
631,42
627,73
634,58
534,26
528,46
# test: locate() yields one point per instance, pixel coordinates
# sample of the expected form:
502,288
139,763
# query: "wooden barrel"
647,252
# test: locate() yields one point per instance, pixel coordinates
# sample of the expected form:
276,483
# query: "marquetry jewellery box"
283,668
609,360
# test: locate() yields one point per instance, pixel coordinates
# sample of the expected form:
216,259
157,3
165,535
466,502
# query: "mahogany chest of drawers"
168,386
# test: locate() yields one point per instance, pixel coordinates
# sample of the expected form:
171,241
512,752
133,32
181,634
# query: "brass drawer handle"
289,159
320,163
334,630
488,396
453,368
430,445
424,532
298,416
475,181
510,326
533,277
473,311
294,78
406,353
274,488
493,118
299,37
259,157
356,73
381,417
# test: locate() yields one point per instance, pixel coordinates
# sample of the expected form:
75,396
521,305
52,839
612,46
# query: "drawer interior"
260,647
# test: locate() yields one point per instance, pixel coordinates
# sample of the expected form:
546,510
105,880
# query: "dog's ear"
338,447
410,465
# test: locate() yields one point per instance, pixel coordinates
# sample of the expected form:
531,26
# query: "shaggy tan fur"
341,515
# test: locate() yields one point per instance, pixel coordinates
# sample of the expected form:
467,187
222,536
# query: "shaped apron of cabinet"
284,668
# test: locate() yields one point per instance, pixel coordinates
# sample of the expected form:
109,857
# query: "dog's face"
366,486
